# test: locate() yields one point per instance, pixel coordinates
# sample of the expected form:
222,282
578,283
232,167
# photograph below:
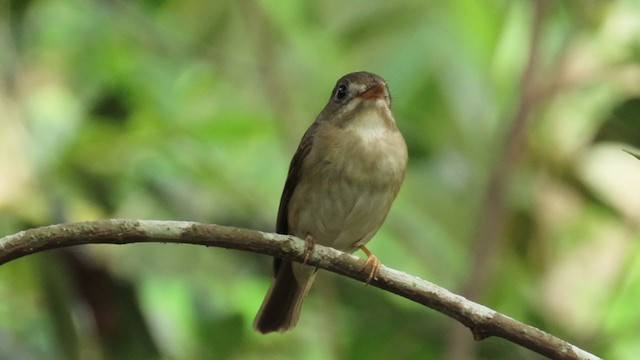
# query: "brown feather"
341,182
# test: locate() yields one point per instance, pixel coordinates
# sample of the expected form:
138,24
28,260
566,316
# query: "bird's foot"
373,261
309,244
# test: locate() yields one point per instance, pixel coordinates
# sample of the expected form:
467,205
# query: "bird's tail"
281,307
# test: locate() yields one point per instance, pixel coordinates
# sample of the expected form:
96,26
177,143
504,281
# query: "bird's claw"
375,265
309,245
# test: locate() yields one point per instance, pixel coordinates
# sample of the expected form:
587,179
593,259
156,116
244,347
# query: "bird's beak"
374,92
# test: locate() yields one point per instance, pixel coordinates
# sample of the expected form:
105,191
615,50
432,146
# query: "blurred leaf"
637,156
623,124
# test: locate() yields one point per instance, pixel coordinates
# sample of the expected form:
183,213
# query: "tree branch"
482,321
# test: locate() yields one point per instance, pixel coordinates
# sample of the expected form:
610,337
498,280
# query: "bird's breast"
369,149
349,181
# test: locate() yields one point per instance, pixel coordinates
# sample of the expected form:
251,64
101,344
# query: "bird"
342,180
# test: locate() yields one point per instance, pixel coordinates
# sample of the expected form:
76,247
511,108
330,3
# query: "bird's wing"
293,178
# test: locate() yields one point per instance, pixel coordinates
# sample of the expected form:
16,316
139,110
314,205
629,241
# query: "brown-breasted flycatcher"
341,183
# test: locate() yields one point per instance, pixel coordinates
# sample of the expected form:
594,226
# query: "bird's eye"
341,93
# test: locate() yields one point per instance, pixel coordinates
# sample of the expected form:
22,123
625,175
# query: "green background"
191,110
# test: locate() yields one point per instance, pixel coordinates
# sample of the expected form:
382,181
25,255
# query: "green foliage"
191,110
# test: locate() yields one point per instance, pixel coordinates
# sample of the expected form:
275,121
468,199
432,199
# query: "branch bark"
482,321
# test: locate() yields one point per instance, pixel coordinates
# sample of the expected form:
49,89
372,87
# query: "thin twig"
494,208
482,321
